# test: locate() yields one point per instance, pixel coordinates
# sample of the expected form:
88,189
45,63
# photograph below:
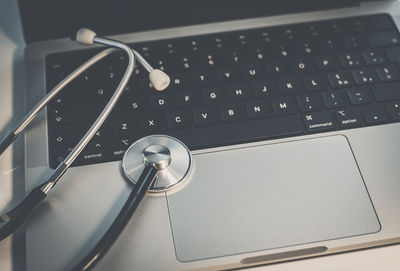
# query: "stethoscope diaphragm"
169,155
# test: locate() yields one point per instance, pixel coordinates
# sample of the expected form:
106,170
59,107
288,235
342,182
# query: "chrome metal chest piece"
170,156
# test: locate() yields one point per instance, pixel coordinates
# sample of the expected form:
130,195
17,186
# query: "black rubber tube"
6,142
135,197
15,218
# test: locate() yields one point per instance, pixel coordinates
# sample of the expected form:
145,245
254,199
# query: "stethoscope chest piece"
170,156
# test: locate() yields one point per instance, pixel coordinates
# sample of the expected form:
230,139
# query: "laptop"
291,110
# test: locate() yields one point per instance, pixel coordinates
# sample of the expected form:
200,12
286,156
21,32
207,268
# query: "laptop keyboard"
233,87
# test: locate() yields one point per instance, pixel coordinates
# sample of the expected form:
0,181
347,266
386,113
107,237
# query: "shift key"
386,92
321,121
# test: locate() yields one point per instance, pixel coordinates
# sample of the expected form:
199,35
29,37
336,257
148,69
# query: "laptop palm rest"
270,196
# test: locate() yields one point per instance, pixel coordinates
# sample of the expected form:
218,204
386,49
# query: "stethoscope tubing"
138,192
19,214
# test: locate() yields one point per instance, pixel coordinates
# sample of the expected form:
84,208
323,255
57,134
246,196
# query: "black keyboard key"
284,106
307,48
386,92
364,76
163,64
330,45
355,42
394,116
151,124
211,59
105,131
146,88
285,51
67,135
191,45
206,116
118,146
359,95
320,121
326,63
393,106
383,39
339,79
374,57
334,99
188,98
253,72
309,102
134,105
228,75
180,119
123,127
258,109
265,89
236,57
375,118
347,118
94,152
257,54
161,102
315,82
240,39
239,92
351,60
71,115
278,69
290,85
213,95
381,22
388,73
230,113
303,66
186,63
178,82
393,54
203,79
358,25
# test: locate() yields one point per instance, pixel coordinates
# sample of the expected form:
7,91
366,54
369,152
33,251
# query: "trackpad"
270,196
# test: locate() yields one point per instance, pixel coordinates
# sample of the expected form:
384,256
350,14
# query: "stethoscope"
154,163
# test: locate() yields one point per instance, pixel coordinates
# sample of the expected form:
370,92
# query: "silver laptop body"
244,205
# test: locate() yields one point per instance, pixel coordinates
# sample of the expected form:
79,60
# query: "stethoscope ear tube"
20,213
17,216
138,192
6,141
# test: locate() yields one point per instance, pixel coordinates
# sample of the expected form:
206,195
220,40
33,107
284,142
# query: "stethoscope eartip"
159,79
85,36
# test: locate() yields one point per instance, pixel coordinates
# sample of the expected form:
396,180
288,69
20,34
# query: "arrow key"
375,118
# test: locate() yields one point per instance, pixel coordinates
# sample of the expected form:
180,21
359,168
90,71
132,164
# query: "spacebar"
240,132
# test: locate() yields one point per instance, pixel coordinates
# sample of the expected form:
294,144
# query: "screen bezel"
52,19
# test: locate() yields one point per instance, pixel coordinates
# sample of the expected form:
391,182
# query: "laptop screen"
49,19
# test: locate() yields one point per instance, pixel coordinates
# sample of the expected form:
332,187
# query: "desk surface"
11,165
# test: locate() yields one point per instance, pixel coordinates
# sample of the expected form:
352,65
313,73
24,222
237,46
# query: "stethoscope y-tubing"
17,216
138,192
